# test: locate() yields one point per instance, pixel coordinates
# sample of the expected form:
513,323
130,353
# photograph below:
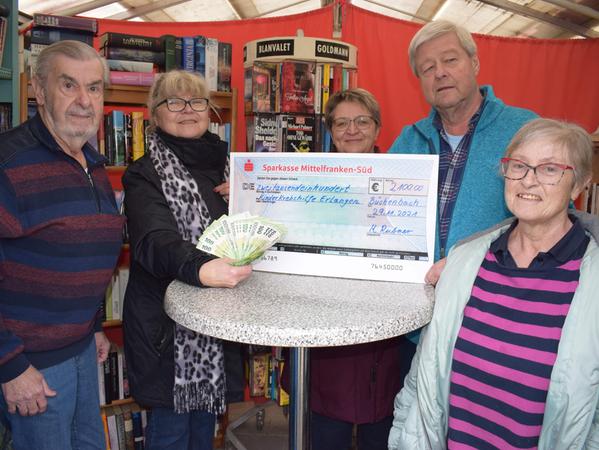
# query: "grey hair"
571,137
71,49
435,29
174,84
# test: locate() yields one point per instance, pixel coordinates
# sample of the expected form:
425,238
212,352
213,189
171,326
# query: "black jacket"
158,256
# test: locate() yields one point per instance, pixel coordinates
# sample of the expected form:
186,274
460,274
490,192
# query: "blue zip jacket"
479,203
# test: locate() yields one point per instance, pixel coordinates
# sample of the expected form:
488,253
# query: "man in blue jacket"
60,237
469,128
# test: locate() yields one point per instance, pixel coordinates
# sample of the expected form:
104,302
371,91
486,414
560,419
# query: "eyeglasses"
176,104
360,122
547,173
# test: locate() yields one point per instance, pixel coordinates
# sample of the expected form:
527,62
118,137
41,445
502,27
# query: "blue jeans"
328,434
168,430
72,420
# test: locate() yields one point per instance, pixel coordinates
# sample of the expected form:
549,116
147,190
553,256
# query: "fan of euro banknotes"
240,237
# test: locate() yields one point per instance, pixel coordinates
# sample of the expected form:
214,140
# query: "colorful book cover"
264,87
265,134
170,48
298,133
297,87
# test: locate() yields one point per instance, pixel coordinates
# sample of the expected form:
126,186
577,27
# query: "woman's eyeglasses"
547,173
176,104
362,123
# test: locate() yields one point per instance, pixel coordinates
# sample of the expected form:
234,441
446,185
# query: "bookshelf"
595,138
9,71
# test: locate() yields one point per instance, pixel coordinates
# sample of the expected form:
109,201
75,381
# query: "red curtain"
555,78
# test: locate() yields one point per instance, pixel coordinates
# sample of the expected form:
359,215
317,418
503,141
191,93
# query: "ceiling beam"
237,7
401,11
576,7
428,8
279,9
145,9
83,7
533,14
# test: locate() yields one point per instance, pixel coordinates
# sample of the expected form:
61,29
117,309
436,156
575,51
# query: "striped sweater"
60,237
507,345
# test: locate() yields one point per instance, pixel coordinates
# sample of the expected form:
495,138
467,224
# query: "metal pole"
299,429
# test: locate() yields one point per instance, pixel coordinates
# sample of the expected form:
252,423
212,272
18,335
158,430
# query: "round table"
301,312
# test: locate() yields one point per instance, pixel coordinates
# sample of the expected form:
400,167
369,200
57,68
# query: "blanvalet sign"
302,48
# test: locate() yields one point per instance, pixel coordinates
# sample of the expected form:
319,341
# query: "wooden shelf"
125,401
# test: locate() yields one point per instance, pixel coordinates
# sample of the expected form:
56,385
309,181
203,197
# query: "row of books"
122,137
113,382
125,427
5,117
294,86
590,199
265,370
48,29
207,56
115,294
287,133
3,39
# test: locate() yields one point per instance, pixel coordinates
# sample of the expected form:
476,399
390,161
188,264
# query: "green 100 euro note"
240,237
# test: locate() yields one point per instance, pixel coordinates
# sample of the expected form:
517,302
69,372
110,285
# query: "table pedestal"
299,405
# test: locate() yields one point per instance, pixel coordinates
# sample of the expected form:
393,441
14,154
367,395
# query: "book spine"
119,160
170,60
132,78
199,59
137,139
178,53
121,65
224,67
133,55
74,23
188,54
131,41
43,35
212,64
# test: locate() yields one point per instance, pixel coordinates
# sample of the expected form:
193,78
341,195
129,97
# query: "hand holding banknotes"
221,273
242,238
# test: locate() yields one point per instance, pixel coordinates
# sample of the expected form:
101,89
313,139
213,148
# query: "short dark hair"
355,95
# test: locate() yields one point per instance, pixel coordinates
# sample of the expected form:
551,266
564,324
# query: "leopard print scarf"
199,359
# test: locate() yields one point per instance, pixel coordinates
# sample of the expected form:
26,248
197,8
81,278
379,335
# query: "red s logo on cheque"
248,166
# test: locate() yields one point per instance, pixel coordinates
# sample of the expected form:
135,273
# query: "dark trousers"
331,434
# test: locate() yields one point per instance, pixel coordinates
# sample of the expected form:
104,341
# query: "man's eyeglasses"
176,104
362,123
547,173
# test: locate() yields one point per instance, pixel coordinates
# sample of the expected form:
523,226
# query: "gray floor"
272,436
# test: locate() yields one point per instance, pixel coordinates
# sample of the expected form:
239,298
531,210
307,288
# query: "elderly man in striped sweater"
60,237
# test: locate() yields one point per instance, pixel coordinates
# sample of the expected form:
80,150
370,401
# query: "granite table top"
301,311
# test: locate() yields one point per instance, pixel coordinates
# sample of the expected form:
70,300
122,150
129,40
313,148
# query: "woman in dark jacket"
353,385
171,195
